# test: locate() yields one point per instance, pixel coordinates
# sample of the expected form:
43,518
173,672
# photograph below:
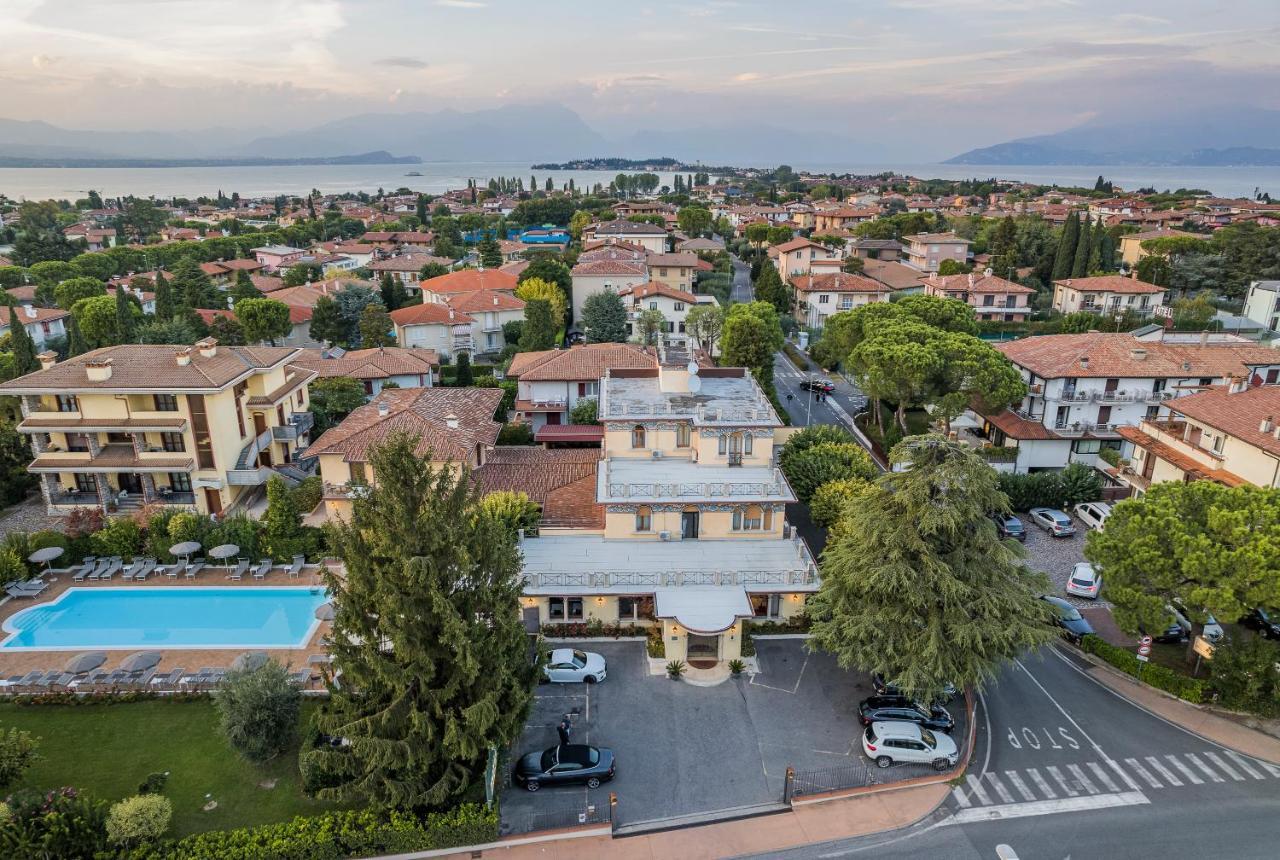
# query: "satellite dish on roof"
695,384
693,368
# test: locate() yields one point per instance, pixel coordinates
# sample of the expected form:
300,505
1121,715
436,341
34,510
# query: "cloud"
41,61
402,63
747,77
462,4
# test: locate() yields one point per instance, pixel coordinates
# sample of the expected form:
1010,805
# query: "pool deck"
190,659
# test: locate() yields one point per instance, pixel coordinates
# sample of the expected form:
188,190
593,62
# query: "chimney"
97,371
1239,384
384,409
1138,354
495,300
47,359
1267,425
30,311
1084,362
986,273
971,280
450,313
1204,338
208,347
183,356
452,421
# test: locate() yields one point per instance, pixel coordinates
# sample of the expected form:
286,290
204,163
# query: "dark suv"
1266,621
819,385
1010,527
888,708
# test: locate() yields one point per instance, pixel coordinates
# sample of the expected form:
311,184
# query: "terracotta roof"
267,283
636,268
680,259
1016,427
408,263
34,315
429,313
892,274
1185,462
1107,354
1240,414
793,245
1111,284
583,362
563,481
247,265
484,300
1159,234
981,284
837,282
470,280
376,363
592,247
947,238
153,367
569,433
422,412
657,288
622,228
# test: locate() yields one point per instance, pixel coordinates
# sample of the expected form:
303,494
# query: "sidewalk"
803,825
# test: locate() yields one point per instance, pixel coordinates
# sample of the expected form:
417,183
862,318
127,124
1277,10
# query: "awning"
569,433
712,609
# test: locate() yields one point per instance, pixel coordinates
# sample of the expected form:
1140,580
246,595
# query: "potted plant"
675,669
737,667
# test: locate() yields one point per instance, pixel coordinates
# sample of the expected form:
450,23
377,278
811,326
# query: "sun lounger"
86,567
169,680
141,680
237,573
295,568
134,567
100,567
113,568
174,569
55,681
302,677
194,568
263,568
31,588
148,565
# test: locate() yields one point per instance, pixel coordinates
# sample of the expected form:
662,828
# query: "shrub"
654,644
515,433
1245,674
45,539
830,499
139,819
676,668
585,411
1110,456
308,494
1190,689
154,783
12,565
238,529
185,526
1080,483
1074,484
810,436
120,536
828,461
514,510
58,823
17,753
259,711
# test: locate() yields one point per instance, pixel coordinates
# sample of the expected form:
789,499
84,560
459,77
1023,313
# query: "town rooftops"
620,266
1159,234
628,228
152,367
562,481
793,245
680,259
1120,354
470,280
1110,284
937,239
837,282
481,301
657,288
429,313
866,244
449,423
584,362
1242,414
374,363
407,263
278,250
973,283
892,274
29,314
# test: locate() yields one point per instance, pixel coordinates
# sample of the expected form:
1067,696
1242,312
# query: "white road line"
1123,774
1142,772
1184,770
1062,783
1164,771
975,788
1040,782
1048,807
1089,787
1270,768
1027,794
960,797
1223,766
1208,771
1102,775
1244,765
999,787
1063,711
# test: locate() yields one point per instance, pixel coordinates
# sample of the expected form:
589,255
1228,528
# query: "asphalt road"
1063,767
742,291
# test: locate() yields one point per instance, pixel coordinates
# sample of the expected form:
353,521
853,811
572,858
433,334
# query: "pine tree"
604,318
327,323
464,376
1004,248
244,288
75,340
427,635
1080,261
165,305
20,342
394,295
1064,258
490,253
125,322
539,331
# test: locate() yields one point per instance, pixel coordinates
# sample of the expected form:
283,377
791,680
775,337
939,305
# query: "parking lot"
1056,556
683,749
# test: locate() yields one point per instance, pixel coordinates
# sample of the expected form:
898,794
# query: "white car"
891,741
1085,581
569,665
1093,514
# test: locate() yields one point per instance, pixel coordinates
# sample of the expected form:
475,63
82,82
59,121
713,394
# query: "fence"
558,815
817,781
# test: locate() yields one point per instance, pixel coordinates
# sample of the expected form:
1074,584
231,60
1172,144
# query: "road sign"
1142,658
1203,647
1145,641
1162,311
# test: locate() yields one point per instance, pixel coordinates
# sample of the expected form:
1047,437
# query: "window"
68,403
988,301
1104,414
77,442
679,306
173,442
682,435
662,272
750,518
560,608
653,306
637,436
1273,376
823,298
85,483
635,608
165,402
644,518
1217,444
180,482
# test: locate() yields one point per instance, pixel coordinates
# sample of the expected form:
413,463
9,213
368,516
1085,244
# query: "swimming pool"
142,617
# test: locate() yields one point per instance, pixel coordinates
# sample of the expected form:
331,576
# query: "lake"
71,182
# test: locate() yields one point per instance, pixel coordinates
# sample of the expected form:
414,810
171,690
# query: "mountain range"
1223,137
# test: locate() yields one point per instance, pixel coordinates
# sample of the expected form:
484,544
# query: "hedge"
334,836
797,357
1190,689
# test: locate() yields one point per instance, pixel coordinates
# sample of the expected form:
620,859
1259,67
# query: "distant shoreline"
368,158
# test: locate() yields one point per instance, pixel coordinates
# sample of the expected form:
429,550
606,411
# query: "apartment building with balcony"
607,268
1107,294
434,326
926,251
820,296
798,256
991,297
133,425
674,305
1083,389
692,538
551,382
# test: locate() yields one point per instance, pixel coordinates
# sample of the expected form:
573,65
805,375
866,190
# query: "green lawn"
108,750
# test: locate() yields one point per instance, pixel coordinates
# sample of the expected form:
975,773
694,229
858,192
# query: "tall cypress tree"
124,316
164,298
244,288
75,340
1065,257
1080,261
427,635
24,348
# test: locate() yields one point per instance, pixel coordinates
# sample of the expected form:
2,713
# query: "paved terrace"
725,400
590,564
668,479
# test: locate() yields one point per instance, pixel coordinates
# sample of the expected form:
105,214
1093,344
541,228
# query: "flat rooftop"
718,400
669,479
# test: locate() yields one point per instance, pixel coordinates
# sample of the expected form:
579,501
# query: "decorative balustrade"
806,576
704,490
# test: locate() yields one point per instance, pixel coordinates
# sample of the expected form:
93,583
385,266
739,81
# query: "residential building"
842,218
797,257
1131,251
926,251
691,536
898,277
454,427
874,249
438,289
991,297
550,383
1107,294
820,296
608,269
374,367
675,270
275,258
562,482
125,426
489,310
1083,388
1262,304
1226,434
649,236
673,303
434,326
43,324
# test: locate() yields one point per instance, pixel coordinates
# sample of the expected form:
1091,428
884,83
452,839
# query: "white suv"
894,741
1093,514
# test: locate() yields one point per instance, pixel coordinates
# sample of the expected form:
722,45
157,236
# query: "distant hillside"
379,157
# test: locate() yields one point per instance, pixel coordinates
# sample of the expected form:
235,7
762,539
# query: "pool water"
149,617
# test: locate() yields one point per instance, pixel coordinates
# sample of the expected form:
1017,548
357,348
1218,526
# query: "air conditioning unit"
657,455
664,535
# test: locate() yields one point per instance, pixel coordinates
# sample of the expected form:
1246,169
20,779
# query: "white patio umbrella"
324,612
249,660
183,550
224,551
86,662
46,555
140,661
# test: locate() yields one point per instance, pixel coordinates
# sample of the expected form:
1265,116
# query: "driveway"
1056,556
684,750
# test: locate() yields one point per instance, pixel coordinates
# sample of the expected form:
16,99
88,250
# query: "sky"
921,78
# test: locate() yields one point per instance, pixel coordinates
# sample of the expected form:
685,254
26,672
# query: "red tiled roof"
421,412
1016,427
484,300
563,481
657,288
579,363
1111,284
1238,414
569,433
837,282
1119,354
470,280
981,284
429,313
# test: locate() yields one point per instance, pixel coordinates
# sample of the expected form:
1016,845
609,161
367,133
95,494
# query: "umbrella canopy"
86,662
225,550
185,548
249,660
140,661
49,553
324,612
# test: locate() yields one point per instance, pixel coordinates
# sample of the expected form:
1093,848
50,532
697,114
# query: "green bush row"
1190,689
797,357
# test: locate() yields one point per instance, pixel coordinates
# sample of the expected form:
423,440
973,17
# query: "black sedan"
1266,621
885,687
561,765
876,709
1068,618
819,385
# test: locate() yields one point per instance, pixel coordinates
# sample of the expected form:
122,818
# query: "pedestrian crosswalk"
1119,777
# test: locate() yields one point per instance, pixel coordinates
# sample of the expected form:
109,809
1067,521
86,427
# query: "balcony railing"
1079,428
300,423
174,498
672,578
77,500
701,490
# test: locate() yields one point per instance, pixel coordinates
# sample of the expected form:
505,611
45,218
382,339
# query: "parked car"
1010,527
1093,514
1052,520
1267,621
889,742
900,708
884,687
562,765
569,665
820,385
1068,618
1212,630
1176,631
1084,581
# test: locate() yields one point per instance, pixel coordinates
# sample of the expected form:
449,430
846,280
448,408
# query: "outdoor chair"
237,573
148,565
302,677
27,682
263,568
86,567
172,570
100,567
296,568
194,568
112,569
132,570
169,680
32,588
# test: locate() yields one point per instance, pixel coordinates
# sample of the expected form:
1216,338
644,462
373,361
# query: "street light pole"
809,410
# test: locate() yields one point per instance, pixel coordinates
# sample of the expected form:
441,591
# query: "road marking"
1102,775
1063,711
959,795
1123,774
999,787
1184,770
1223,766
1243,764
1062,783
1021,786
1049,807
1270,768
1208,771
976,789
1082,779
1163,771
1040,782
